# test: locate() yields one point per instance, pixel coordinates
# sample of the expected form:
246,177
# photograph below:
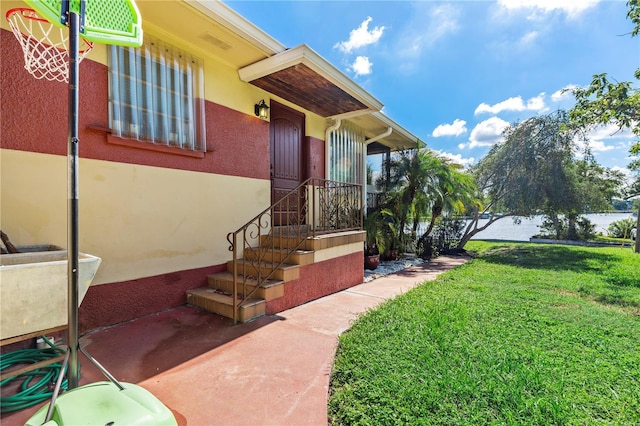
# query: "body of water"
505,229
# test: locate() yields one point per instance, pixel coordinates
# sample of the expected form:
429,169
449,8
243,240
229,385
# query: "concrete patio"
272,371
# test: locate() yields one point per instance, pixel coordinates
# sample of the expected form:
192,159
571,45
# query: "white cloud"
629,176
511,104
528,39
605,138
457,128
427,25
572,8
514,104
610,131
594,145
487,132
360,37
563,93
537,103
457,158
361,66
444,20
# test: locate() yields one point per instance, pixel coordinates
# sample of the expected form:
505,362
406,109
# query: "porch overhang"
377,123
303,77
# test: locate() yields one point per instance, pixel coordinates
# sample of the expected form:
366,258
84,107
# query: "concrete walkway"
279,374
272,371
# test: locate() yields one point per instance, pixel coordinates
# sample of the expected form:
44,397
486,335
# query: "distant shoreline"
505,229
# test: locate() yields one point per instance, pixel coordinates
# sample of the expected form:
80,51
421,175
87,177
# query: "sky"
456,73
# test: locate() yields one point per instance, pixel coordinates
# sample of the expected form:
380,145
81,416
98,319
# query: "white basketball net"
45,46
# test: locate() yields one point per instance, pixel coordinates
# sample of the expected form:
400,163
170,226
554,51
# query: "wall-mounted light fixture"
262,110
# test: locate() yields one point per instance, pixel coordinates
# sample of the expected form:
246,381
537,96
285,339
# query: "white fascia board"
352,114
236,23
396,127
303,54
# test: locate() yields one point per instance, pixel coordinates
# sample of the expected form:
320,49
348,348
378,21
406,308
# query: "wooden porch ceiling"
377,148
305,87
303,77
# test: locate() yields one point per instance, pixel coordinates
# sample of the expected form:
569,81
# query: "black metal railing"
266,242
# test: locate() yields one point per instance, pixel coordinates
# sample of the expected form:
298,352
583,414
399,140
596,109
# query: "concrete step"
319,242
298,257
223,281
285,272
282,241
213,300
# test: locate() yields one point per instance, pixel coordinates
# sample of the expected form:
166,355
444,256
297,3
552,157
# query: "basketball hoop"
55,55
44,45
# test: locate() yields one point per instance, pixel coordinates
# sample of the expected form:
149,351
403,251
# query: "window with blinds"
157,95
346,154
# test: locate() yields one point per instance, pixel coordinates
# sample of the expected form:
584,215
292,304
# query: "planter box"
34,289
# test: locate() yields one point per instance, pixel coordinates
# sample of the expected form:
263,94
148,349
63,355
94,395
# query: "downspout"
327,135
380,136
364,161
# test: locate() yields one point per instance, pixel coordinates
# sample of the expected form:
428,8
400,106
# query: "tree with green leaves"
534,170
594,187
618,103
521,174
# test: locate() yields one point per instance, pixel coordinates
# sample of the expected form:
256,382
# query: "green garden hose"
37,385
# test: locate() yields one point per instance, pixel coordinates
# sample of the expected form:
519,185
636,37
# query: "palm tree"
423,185
454,189
410,173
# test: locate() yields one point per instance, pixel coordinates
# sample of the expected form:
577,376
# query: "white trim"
380,136
396,127
364,161
303,54
351,114
236,23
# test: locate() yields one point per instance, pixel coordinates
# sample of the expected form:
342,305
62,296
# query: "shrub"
621,228
585,230
444,238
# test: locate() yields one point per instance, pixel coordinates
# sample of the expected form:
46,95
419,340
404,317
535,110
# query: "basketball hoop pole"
73,21
113,22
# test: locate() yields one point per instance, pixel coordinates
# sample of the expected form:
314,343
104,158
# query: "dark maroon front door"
287,131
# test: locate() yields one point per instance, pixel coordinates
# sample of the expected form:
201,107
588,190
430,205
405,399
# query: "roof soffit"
303,77
212,27
237,24
377,123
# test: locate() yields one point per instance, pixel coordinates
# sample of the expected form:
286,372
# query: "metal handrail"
315,207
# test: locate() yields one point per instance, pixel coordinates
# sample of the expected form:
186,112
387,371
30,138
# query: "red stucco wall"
318,280
35,118
315,163
118,302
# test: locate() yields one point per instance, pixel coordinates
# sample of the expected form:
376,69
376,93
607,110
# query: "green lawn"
522,334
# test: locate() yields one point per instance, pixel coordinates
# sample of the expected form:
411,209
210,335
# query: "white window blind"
157,95
346,154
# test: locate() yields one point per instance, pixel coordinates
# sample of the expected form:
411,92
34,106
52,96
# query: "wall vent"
221,44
